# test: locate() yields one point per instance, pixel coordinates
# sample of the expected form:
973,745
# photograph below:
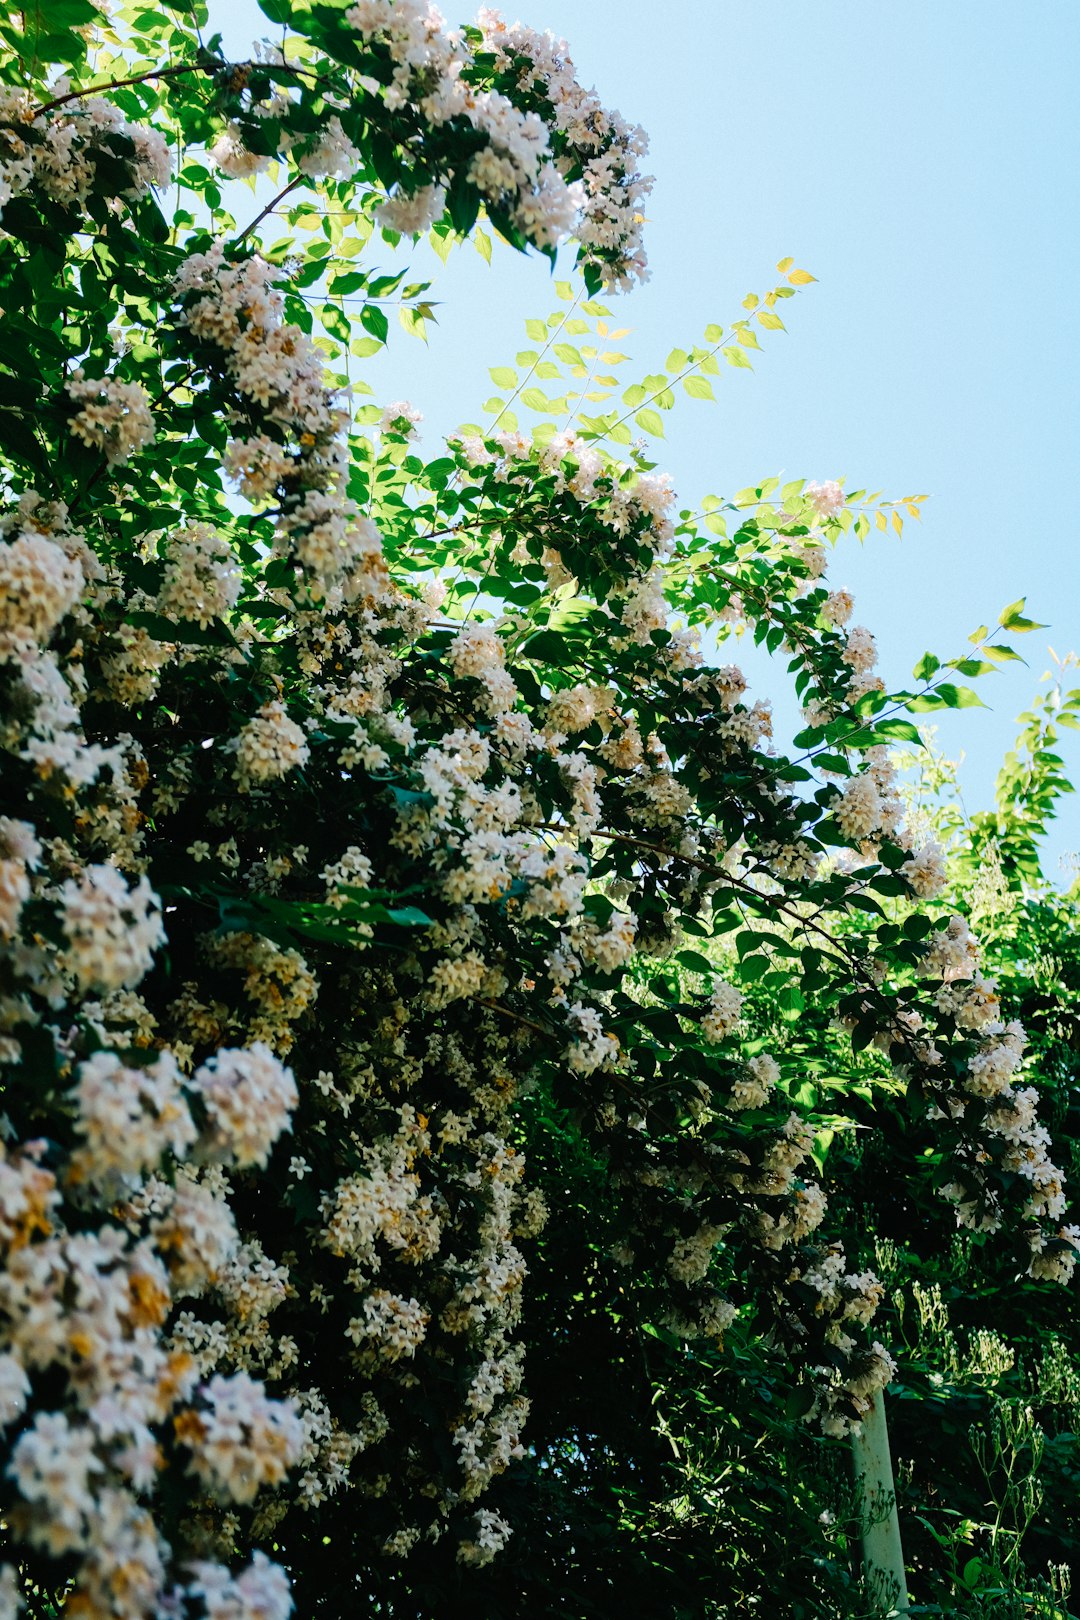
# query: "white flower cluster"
845,1385
389,1325
39,585
860,655
87,1309
592,1047
491,1535
201,580
269,747
112,931
240,1440
522,169
129,1118
20,855
692,1256
352,869
249,1097
752,1089
837,607
951,953
969,1000
412,213
60,151
723,1016
235,160
574,708
605,148
384,1206
259,1592
328,153
477,650
277,369
869,807
400,418
112,416
611,948
826,499
925,871
236,307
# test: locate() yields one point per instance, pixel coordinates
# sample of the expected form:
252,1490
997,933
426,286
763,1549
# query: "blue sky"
920,158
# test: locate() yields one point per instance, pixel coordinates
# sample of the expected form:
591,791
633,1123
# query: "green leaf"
1003,655
698,387
373,320
408,916
898,730
336,322
650,422
946,696
972,667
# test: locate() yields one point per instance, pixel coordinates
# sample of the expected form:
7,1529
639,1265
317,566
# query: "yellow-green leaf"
698,387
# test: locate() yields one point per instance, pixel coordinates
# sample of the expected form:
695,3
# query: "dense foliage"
423,973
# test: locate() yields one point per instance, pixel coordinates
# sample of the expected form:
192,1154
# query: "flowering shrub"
992,1357
351,797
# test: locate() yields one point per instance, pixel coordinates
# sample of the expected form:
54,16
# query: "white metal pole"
883,1554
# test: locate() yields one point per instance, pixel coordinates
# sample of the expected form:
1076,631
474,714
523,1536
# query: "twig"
120,84
269,209
508,1012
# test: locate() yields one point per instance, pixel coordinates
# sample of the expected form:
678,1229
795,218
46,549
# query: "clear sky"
920,157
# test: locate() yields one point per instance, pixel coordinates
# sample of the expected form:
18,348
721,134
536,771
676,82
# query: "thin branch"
211,65
508,1012
269,209
120,84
